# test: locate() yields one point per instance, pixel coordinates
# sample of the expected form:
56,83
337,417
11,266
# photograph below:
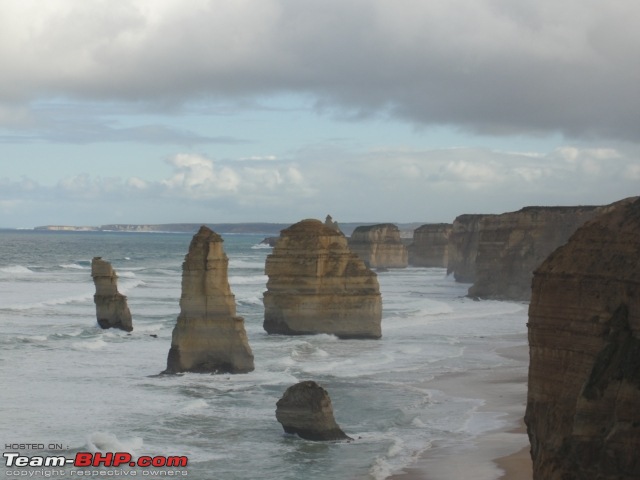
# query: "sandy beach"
498,454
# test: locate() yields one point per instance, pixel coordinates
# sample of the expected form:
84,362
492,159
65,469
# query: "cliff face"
582,411
463,247
512,245
379,246
112,310
430,247
318,285
208,336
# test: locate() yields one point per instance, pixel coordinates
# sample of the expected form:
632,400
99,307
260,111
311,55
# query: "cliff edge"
582,414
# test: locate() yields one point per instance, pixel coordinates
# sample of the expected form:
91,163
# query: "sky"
165,111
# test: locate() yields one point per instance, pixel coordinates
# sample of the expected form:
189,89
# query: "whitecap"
15,270
73,266
108,442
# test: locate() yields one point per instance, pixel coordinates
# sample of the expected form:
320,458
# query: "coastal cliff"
318,285
430,246
112,310
582,411
512,245
379,246
463,247
208,336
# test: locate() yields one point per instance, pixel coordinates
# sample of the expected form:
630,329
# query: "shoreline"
498,454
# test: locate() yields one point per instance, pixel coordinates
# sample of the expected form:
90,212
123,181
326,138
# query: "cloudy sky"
158,111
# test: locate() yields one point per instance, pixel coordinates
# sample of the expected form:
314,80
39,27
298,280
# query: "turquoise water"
65,381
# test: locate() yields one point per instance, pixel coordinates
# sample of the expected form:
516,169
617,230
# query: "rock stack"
318,285
379,246
582,411
112,310
430,247
208,336
305,409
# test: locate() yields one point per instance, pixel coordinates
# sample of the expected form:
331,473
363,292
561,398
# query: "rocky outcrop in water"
208,336
318,285
112,310
512,245
430,246
379,246
582,411
463,247
305,409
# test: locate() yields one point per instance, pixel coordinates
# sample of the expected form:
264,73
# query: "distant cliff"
380,246
512,245
463,247
582,414
430,246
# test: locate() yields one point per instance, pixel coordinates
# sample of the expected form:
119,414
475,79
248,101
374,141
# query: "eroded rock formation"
430,247
379,246
208,336
512,245
112,310
463,247
582,411
318,285
305,409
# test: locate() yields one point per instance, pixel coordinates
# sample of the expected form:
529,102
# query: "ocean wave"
73,266
260,246
108,442
248,280
16,270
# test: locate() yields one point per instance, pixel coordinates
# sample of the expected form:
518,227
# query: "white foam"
108,442
16,270
73,266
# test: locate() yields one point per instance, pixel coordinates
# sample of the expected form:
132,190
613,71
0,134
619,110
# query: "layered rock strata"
512,245
305,409
582,414
463,247
112,310
379,246
318,285
208,336
430,246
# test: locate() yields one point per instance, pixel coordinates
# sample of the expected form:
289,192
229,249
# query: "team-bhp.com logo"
87,459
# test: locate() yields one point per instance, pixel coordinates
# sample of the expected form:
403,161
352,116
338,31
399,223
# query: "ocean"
68,386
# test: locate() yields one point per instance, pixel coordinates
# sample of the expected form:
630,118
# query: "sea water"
67,383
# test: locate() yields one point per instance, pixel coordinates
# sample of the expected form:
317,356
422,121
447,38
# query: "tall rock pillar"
208,336
112,310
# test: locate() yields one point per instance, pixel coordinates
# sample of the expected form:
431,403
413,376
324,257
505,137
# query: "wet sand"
499,454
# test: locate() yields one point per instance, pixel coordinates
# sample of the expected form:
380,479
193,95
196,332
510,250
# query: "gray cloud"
489,66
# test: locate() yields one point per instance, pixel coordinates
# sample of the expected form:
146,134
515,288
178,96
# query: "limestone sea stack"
430,246
512,245
208,336
582,414
379,246
112,310
305,409
318,285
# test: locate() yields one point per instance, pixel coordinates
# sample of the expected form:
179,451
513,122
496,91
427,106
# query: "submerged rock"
112,310
305,409
208,336
318,285
582,414
379,246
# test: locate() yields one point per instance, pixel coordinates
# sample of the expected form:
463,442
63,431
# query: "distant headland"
258,228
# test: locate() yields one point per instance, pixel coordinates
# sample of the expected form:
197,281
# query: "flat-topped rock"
208,336
430,246
318,285
380,246
112,310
